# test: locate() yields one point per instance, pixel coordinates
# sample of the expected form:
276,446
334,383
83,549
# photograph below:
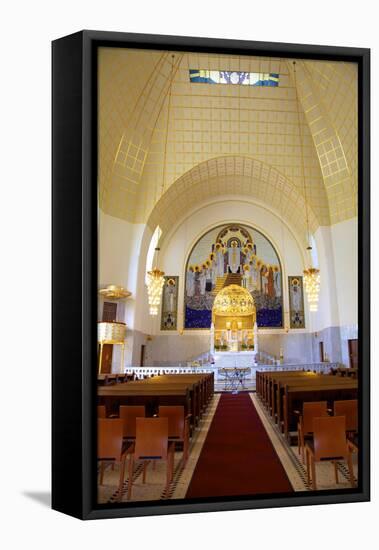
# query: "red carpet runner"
237,457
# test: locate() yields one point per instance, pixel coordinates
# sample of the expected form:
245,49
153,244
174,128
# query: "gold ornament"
233,300
114,291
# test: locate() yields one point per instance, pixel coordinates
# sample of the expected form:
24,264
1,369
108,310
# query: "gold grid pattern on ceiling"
328,94
208,121
233,176
133,87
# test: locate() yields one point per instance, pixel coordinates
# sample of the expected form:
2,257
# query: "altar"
234,329
232,359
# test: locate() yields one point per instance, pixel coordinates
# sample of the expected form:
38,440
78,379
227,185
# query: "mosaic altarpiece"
239,255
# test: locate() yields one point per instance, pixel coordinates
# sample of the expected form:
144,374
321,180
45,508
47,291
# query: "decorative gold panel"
111,333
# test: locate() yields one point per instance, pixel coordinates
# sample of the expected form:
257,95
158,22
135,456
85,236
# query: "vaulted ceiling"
202,139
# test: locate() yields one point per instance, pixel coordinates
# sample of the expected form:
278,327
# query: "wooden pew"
270,380
278,384
192,391
114,396
321,381
201,388
295,395
264,383
193,385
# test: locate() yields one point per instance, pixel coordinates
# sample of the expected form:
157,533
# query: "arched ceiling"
228,176
150,138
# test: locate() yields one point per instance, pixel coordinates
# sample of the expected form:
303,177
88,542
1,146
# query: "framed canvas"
211,291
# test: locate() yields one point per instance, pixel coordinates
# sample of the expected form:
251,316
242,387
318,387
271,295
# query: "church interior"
227,275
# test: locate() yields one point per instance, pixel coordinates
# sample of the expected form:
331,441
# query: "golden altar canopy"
234,300
233,317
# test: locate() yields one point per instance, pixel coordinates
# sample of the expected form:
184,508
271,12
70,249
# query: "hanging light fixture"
311,274
155,277
155,282
115,292
312,286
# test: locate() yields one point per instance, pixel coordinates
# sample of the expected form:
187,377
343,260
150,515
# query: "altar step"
233,279
220,281
226,280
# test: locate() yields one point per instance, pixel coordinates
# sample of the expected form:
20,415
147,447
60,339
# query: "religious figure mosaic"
239,255
296,301
169,315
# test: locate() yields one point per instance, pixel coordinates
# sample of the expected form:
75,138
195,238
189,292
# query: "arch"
230,175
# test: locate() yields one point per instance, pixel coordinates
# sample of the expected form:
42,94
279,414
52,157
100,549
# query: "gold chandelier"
311,274
154,283
115,292
312,286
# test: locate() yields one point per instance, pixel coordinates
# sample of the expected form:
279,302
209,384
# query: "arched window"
151,252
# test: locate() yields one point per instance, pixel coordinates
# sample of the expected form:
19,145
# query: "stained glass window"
233,77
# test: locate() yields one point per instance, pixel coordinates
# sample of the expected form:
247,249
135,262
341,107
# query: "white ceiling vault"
163,148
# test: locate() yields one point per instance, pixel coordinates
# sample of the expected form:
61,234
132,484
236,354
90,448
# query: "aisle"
237,457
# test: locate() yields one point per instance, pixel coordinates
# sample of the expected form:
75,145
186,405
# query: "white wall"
327,314
119,250
345,247
119,256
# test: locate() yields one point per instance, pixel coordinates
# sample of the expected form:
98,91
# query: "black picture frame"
74,270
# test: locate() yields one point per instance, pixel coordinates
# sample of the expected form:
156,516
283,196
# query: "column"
212,349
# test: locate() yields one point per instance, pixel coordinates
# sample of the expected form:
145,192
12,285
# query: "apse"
233,254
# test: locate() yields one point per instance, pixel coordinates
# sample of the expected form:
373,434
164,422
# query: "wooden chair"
178,426
129,414
110,447
348,409
101,412
305,424
151,444
353,442
329,444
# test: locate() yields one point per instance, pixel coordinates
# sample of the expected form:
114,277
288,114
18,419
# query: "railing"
141,372
315,367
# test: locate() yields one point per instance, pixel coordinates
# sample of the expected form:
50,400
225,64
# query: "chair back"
151,438
329,437
109,438
348,409
101,413
310,411
129,413
175,415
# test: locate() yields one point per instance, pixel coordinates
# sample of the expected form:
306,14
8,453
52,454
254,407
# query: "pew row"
191,391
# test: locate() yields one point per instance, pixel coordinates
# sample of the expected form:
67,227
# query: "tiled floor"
292,461
154,488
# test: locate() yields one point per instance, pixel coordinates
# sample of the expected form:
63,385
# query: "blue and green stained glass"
233,77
